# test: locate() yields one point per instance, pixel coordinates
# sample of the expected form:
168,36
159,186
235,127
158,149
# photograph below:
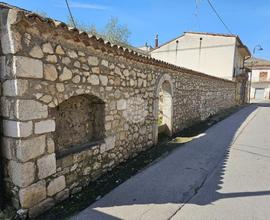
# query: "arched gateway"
163,107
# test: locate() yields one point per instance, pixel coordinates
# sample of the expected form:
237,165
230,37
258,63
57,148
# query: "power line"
219,17
197,13
72,19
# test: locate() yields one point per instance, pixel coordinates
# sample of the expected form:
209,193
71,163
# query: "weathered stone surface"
105,63
50,72
60,87
17,87
96,70
77,64
47,48
41,207
50,145
46,166
22,64
121,104
46,98
36,52
8,149
93,61
93,79
33,194
66,60
59,50
56,185
44,126
103,80
30,109
17,129
22,174
76,79
66,75
51,58
109,144
72,54
62,195
30,148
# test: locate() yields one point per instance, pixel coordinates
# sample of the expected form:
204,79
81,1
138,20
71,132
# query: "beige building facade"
260,79
218,55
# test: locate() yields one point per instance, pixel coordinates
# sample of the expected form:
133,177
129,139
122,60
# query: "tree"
41,13
113,31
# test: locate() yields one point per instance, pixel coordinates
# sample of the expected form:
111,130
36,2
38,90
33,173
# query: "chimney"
156,41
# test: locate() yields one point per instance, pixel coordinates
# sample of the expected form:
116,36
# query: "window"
263,76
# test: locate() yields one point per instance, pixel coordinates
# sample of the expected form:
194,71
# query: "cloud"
73,4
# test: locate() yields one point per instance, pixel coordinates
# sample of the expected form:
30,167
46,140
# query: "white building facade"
219,55
260,79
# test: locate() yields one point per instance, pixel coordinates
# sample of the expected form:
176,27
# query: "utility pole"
70,14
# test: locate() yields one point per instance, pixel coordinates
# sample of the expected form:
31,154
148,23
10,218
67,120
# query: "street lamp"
258,47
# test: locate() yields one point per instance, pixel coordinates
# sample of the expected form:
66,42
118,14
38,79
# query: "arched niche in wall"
80,123
163,107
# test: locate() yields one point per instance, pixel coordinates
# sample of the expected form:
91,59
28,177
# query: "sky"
168,18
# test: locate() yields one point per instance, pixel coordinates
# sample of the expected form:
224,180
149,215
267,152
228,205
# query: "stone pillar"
26,145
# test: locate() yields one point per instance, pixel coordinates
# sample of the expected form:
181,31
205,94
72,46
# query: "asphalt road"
223,174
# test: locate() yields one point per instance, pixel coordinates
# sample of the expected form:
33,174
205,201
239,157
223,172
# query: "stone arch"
164,84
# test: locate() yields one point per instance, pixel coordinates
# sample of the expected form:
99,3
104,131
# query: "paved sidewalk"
160,191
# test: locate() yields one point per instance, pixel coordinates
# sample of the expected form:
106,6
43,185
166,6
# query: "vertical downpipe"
176,53
200,51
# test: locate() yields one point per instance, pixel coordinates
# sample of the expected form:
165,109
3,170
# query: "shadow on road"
164,180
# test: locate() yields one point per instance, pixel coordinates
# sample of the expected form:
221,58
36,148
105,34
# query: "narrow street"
223,174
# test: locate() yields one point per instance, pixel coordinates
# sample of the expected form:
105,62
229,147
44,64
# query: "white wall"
215,56
257,84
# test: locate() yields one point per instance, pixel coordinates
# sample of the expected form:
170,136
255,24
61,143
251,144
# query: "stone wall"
104,97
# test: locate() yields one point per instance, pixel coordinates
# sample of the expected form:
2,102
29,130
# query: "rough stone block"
41,207
27,67
44,126
59,50
60,87
36,52
72,54
17,87
46,166
30,148
30,109
93,61
22,174
50,72
105,63
56,185
108,145
17,128
47,48
6,110
62,195
93,79
121,104
8,150
33,194
50,146
51,58
66,75
103,80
